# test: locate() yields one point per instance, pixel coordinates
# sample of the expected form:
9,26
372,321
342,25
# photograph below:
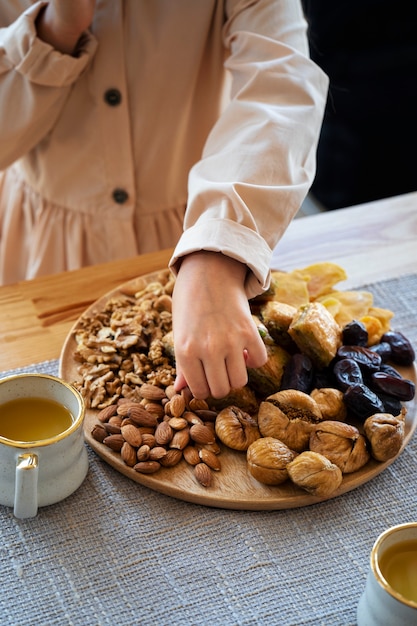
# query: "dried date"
298,373
366,359
402,352
400,388
355,334
347,373
383,349
362,401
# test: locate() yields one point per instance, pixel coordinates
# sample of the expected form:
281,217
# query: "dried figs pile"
367,376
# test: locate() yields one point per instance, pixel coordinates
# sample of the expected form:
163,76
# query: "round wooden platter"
233,487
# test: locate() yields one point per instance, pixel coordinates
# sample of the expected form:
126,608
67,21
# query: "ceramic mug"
390,596
43,457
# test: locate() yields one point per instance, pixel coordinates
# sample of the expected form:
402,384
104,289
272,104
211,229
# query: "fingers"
214,375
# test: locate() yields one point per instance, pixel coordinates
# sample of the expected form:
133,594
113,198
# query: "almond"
195,405
155,409
202,434
171,458
107,412
114,442
191,455
209,458
178,423
141,417
203,474
128,454
132,435
152,392
180,439
149,439
147,467
142,453
99,433
112,429
157,453
163,434
176,406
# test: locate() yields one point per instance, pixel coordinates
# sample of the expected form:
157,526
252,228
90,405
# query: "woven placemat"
116,553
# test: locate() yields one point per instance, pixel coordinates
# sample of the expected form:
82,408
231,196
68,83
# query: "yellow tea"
33,419
398,565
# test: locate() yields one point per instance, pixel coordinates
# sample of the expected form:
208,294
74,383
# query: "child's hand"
215,337
62,22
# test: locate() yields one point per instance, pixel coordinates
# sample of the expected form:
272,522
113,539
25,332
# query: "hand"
215,337
62,22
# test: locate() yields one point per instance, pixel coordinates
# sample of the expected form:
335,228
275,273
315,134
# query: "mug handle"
26,486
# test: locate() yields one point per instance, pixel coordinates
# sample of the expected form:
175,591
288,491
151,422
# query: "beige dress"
102,154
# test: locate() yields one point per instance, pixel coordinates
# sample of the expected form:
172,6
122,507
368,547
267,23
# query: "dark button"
120,196
113,97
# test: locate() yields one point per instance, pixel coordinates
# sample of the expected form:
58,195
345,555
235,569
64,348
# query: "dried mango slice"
290,288
322,277
374,328
354,305
383,315
333,305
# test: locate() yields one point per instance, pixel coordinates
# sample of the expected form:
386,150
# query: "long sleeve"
35,81
259,159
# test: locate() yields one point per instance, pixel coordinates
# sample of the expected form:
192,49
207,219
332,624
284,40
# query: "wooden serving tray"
233,487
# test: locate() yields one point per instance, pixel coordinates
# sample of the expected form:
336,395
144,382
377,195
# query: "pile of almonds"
159,430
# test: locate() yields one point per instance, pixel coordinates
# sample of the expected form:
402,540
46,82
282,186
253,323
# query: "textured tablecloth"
118,554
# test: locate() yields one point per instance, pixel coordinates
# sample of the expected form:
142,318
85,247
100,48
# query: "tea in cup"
390,596
43,458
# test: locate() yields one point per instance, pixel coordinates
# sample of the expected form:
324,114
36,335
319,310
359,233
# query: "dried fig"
290,416
341,443
330,402
315,473
385,434
236,428
267,460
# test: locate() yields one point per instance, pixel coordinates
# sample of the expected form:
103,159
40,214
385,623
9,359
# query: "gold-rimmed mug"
390,595
40,466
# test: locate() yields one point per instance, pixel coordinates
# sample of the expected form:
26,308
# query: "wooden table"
371,242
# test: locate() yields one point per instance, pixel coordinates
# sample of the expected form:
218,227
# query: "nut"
172,457
132,435
175,406
99,433
141,417
209,458
163,434
147,467
203,474
152,392
191,455
180,439
107,412
202,434
128,454
114,442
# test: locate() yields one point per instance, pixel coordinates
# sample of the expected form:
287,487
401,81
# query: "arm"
256,169
35,81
